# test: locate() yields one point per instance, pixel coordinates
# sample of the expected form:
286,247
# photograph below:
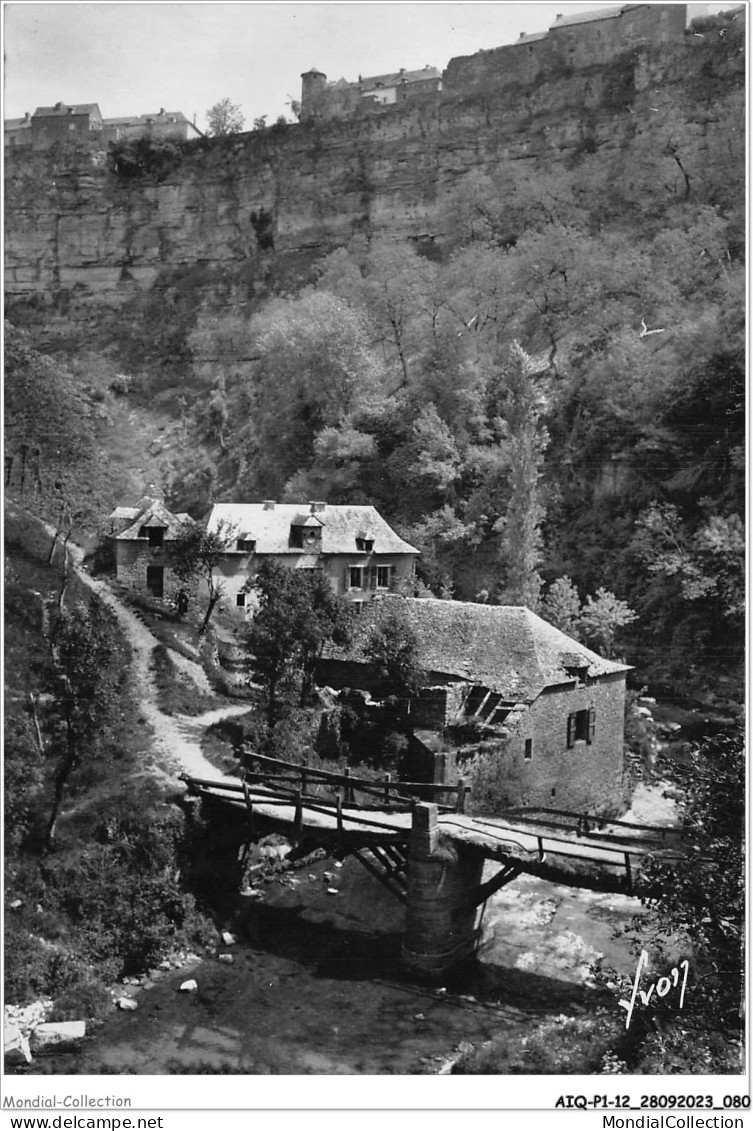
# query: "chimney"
58,105
316,508
269,504
27,116
71,109
162,109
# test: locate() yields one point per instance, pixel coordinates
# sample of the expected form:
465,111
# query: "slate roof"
587,17
147,512
164,117
395,78
505,648
530,37
340,526
61,110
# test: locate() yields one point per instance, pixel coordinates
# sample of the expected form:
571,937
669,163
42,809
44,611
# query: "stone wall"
133,558
236,569
586,777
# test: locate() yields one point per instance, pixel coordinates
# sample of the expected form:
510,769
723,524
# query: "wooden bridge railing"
351,813
586,825
388,793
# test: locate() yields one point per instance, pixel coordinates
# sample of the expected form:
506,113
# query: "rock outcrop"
230,215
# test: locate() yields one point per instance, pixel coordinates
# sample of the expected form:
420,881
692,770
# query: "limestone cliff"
250,211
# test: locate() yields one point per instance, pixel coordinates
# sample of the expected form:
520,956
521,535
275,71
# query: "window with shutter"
580,727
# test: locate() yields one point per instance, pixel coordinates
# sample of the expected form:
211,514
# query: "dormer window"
365,544
575,666
579,675
306,534
246,544
155,534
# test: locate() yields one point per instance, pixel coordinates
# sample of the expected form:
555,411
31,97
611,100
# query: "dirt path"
177,738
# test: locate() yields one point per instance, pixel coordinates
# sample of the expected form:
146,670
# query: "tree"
522,404
597,620
698,903
298,613
84,682
224,118
601,617
313,360
561,605
392,647
196,553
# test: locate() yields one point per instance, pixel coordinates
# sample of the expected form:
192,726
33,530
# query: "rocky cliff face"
256,209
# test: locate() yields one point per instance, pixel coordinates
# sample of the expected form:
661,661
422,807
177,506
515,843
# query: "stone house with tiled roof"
162,123
533,717
61,123
340,99
358,551
17,132
141,537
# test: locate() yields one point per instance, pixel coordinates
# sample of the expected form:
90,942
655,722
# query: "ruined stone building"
530,716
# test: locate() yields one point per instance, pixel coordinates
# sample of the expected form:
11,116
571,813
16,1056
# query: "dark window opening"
305,537
156,535
240,600
528,755
578,674
246,545
383,577
155,580
365,544
580,727
355,577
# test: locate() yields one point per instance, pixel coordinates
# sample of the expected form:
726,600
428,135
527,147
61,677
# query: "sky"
135,58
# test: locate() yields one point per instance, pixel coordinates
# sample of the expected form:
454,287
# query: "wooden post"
629,873
247,796
303,780
298,819
460,805
349,795
387,780
339,815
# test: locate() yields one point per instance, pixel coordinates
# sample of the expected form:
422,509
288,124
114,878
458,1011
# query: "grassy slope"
108,899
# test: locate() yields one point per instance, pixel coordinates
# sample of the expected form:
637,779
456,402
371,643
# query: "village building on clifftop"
583,39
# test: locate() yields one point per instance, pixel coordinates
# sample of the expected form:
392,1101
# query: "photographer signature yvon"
676,979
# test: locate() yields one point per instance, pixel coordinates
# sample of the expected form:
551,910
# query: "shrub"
88,999
567,1046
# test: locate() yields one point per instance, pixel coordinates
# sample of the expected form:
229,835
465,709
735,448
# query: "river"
315,984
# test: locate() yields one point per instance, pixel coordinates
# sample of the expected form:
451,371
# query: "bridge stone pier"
440,926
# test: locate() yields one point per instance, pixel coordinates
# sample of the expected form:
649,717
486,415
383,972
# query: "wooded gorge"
548,384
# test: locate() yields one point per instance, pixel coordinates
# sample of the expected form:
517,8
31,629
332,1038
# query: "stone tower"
313,86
